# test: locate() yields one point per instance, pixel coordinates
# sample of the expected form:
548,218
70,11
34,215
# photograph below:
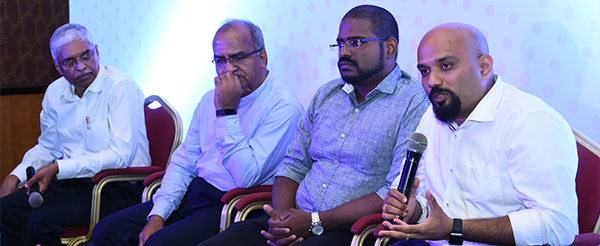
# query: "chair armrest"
153,177
125,171
589,238
361,224
230,198
151,184
250,203
244,191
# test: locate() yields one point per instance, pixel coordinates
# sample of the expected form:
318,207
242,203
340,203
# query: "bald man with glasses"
92,119
238,135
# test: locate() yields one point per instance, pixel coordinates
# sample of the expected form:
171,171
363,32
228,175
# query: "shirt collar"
387,85
485,109
250,98
68,92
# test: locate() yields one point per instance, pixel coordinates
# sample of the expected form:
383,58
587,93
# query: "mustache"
347,59
84,73
437,89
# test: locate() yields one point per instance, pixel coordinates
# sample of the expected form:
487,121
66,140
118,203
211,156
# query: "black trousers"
196,219
67,203
248,233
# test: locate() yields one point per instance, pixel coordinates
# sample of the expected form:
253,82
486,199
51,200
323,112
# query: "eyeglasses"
351,43
236,60
85,57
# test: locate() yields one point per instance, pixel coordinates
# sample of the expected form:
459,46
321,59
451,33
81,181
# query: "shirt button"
343,135
335,161
324,185
356,110
447,204
216,160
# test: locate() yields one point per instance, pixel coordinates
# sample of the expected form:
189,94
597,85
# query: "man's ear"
485,63
392,46
263,58
57,67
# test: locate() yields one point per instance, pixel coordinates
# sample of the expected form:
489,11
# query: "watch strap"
456,236
223,112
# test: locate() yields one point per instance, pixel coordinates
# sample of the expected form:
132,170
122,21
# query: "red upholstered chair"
164,131
588,191
587,184
244,200
230,199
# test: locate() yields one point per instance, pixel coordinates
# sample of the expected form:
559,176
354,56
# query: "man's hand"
228,91
394,205
436,227
43,177
280,232
154,224
9,185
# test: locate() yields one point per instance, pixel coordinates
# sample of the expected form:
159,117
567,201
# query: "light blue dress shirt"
232,151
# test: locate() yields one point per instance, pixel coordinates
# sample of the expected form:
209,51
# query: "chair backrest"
164,130
587,184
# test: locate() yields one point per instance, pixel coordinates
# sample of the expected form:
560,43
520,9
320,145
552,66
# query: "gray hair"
257,35
65,34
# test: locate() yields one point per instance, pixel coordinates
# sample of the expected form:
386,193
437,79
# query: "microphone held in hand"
35,197
417,143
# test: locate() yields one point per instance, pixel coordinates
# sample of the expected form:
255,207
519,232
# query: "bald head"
456,69
463,36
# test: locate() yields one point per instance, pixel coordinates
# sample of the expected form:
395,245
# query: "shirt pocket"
97,136
483,185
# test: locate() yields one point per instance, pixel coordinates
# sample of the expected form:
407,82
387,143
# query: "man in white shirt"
92,119
500,164
238,135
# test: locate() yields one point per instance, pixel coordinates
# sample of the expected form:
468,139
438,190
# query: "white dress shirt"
514,156
102,130
232,151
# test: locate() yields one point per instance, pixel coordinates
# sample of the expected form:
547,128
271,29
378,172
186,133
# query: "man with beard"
92,119
237,137
349,145
500,167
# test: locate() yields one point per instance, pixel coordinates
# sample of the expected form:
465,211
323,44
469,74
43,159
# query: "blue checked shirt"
343,150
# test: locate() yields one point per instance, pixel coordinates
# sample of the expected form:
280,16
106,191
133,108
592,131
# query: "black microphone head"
35,199
417,142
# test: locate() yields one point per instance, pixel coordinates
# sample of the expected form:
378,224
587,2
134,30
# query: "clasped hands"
437,226
288,227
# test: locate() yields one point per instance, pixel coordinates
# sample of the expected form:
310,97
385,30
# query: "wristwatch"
316,227
456,236
224,112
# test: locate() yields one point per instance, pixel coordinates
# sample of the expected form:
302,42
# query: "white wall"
550,48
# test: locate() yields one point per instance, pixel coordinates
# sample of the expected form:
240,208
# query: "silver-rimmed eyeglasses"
236,60
85,57
351,43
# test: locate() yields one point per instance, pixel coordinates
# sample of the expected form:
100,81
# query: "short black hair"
383,23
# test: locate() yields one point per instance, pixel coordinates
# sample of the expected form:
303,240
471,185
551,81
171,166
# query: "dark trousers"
67,203
247,232
196,219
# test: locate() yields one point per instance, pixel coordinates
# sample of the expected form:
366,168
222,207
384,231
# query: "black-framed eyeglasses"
236,60
85,57
351,43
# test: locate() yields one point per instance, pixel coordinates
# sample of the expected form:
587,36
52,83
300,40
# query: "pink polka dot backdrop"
548,48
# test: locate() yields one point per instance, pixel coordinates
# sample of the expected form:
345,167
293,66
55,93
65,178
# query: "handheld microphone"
35,197
417,143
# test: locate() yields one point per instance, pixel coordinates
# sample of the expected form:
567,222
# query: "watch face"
317,230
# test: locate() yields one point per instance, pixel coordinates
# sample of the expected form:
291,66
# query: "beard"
362,75
448,111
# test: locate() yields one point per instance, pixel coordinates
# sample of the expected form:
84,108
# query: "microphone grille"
36,199
417,142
